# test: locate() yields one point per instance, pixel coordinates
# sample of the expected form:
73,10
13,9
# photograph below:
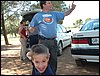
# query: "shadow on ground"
14,66
9,47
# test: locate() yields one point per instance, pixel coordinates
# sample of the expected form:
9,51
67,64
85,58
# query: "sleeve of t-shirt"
33,22
60,15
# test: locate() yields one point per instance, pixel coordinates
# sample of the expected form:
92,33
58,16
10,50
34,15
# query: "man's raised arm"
71,9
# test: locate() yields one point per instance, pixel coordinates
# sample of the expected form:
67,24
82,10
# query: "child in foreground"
39,55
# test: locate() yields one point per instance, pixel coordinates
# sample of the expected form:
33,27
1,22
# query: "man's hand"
73,6
71,9
31,29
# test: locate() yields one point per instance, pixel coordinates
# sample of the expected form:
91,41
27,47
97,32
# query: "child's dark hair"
22,21
39,49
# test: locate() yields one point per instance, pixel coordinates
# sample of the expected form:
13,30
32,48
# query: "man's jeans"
33,39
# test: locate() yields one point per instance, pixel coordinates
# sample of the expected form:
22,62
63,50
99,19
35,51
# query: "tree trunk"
4,31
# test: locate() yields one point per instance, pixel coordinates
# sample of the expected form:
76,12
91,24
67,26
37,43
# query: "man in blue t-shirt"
46,21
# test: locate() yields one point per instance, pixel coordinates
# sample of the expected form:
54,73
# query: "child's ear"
48,56
29,55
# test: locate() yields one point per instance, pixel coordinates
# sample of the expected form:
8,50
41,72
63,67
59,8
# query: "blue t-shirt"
47,23
48,71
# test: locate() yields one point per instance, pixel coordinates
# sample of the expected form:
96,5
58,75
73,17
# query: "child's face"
24,23
40,62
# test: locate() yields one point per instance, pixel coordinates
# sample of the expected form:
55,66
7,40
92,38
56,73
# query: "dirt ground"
12,65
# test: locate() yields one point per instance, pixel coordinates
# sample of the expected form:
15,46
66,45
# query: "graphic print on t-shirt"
47,18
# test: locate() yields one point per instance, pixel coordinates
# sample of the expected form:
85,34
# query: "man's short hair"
41,4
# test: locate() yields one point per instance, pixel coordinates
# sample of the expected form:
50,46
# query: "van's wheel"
60,49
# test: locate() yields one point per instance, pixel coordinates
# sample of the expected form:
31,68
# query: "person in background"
46,20
23,39
39,56
33,37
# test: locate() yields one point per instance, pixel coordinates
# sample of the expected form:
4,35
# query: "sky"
83,10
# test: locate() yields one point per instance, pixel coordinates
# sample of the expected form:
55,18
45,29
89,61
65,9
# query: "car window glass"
63,28
87,26
59,28
96,25
90,25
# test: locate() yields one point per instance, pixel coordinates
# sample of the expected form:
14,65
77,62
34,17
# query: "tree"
58,6
4,30
87,19
12,26
6,8
78,23
2,24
